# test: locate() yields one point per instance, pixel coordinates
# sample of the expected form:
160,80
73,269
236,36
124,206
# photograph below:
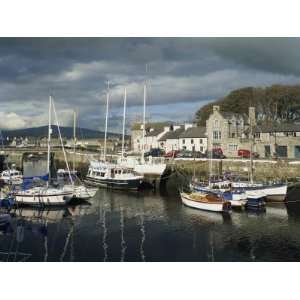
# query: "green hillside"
279,102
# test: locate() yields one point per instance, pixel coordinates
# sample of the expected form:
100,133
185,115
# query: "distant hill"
66,132
281,102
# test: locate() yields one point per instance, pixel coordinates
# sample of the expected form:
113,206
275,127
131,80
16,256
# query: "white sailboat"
80,192
110,175
140,165
46,195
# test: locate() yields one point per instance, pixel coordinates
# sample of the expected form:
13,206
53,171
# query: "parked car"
244,153
185,154
172,153
216,153
155,152
190,154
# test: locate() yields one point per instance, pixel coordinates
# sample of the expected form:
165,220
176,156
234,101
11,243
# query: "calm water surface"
118,226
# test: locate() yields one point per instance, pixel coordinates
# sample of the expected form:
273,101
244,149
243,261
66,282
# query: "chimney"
216,108
252,119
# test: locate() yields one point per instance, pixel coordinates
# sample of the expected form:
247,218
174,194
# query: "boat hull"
236,199
216,207
272,193
43,199
81,192
150,169
119,184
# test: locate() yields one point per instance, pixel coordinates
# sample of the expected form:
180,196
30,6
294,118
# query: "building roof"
171,135
154,132
154,125
229,115
194,132
283,127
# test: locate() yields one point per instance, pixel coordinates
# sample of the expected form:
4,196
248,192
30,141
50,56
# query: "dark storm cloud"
181,70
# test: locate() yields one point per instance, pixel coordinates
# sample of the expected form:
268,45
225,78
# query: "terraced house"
169,137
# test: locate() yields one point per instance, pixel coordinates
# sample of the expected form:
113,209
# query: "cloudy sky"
183,74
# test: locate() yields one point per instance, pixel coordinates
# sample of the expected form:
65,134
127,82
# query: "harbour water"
149,226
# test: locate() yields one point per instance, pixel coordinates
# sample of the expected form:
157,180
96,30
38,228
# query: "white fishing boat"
112,176
46,195
12,176
109,175
205,202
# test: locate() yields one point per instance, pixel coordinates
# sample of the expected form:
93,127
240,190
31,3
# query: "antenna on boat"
106,120
124,123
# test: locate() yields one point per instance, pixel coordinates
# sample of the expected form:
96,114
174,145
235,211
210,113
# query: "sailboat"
111,175
237,198
80,192
140,165
46,195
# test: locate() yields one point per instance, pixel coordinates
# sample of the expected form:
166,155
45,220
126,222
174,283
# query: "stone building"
226,130
278,140
232,132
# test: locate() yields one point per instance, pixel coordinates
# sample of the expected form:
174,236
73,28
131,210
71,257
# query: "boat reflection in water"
35,223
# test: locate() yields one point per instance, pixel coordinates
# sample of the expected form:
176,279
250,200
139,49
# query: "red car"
244,153
172,153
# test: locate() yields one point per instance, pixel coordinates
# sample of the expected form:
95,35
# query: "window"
183,142
233,147
192,141
281,151
201,149
216,123
233,135
216,135
201,141
257,135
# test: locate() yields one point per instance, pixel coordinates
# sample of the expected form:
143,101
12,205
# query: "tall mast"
106,120
124,123
210,159
251,151
49,140
144,122
74,138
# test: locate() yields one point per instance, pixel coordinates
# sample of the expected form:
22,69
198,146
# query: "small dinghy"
205,201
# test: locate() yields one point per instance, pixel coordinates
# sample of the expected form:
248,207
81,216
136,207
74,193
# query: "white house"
154,131
193,139
171,138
